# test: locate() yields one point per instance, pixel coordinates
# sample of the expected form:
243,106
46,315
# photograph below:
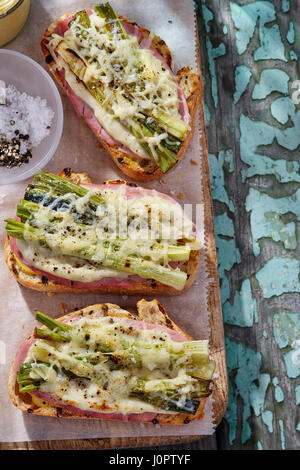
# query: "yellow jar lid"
6,5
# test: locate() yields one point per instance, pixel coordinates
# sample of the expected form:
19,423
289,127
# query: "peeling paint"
228,253
293,55
279,395
267,221
282,435
248,382
245,18
260,164
271,80
286,329
285,5
243,312
267,417
259,445
242,77
217,167
279,275
266,137
297,392
291,33
207,116
213,53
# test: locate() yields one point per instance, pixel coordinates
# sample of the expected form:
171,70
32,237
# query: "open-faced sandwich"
119,78
103,362
108,238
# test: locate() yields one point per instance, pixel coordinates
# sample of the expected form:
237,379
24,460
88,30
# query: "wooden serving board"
220,388
217,345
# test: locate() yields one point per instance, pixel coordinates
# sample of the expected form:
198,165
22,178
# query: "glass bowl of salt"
31,117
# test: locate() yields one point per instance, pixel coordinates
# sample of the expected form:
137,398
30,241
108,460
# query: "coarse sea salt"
25,115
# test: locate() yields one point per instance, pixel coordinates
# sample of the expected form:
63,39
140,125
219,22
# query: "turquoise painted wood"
250,65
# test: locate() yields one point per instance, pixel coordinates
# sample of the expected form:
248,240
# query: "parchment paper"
174,21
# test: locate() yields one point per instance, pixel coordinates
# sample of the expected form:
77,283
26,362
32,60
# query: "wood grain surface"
250,57
220,389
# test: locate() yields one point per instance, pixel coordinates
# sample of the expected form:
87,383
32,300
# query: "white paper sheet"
173,20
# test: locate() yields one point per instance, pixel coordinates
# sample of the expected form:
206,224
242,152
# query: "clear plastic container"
29,77
13,16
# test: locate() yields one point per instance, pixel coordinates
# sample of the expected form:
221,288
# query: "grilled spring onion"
117,360
50,335
162,393
175,126
47,193
162,398
130,264
25,381
198,364
58,193
112,22
83,18
63,186
30,374
48,188
51,323
162,156
35,199
27,211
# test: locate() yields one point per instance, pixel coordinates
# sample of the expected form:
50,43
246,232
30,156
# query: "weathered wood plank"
217,347
261,327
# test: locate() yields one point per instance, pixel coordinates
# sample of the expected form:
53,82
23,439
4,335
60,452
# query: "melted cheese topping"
135,82
67,267
143,226
105,385
120,61
107,120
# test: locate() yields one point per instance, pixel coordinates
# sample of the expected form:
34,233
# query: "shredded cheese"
101,386
135,80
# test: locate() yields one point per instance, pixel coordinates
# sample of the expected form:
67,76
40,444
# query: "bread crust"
190,82
146,287
151,312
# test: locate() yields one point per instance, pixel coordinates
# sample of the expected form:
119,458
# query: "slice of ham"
47,397
133,30
132,191
83,110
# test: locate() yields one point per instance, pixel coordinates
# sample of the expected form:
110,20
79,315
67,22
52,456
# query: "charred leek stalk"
54,198
193,354
108,258
112,22
163,393
164,154
175,126
28,210
161,154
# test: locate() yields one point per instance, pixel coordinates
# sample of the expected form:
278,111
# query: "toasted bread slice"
32,280
150,312
190,82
